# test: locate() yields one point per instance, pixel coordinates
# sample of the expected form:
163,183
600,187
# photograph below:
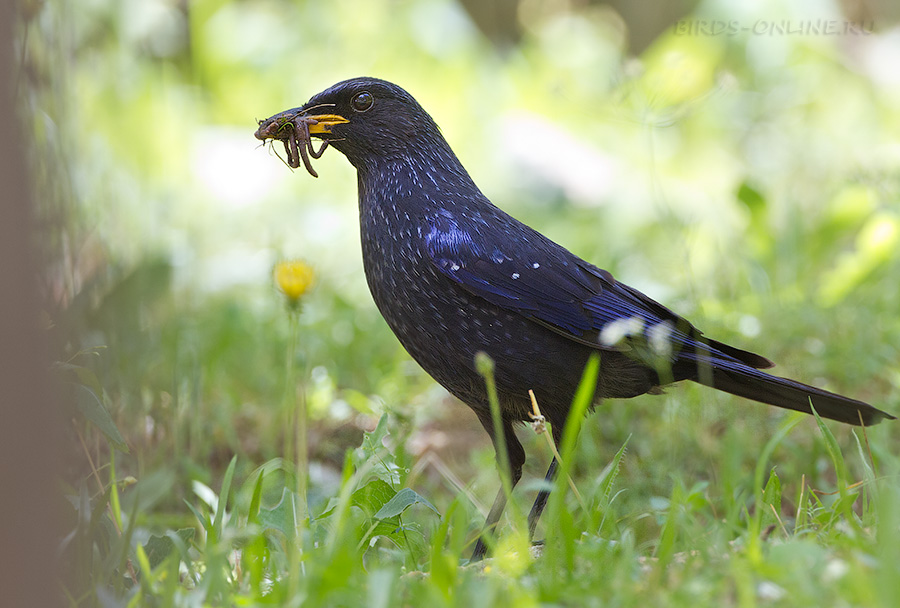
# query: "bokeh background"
738,161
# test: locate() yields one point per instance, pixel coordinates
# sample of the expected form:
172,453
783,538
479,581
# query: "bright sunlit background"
737,161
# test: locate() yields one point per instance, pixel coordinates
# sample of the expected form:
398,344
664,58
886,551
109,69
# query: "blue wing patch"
534,287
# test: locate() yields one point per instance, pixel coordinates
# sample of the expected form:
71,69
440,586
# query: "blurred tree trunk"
30,492
499,20
645,20
880,13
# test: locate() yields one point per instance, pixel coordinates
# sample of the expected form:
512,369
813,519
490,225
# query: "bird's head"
367,119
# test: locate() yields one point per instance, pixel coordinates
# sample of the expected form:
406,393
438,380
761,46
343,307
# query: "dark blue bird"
453,275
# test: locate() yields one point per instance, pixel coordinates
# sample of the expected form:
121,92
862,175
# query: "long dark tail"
745,381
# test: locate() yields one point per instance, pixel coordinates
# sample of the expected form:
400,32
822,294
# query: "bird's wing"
552,286
539,286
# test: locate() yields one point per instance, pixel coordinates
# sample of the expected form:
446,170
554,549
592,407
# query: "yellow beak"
324,122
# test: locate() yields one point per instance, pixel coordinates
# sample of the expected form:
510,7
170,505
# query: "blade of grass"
563,530
834,452
485,366
255,500
223,496
754,549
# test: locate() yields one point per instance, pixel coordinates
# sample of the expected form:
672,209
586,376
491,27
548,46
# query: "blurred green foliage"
751,181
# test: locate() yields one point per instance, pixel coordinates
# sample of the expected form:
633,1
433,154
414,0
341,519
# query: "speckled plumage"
453,275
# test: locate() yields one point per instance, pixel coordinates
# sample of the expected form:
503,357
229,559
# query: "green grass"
737,193
796,515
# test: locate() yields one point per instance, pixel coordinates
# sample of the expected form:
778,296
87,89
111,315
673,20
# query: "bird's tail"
740,379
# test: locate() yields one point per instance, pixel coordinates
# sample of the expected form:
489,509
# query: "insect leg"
303,128
294,151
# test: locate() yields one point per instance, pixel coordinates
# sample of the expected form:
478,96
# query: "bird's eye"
362,101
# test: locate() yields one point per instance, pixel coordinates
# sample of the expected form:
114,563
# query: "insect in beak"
295,129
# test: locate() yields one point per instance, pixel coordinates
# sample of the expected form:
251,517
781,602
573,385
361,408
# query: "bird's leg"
541,501
516,455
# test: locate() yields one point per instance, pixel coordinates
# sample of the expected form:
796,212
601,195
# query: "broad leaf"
158,548
373,496
281,517
401,501
91,407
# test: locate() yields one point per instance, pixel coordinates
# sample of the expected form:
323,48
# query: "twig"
87,453
778,519
538,423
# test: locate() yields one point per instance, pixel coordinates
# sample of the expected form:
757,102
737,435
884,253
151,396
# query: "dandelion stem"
295,449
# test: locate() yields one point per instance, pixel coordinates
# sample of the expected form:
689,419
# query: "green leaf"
444,563
561,549
146,568
844,504
485,366
158,548
772,497
91,407
868,469
671,527
373,442
772,491
281,517
372,496
85,375
751,197
869,490
609,474
373,451
387,529
834,452
405,537
401,501
223,496
203,519
759,474
256,498
584,396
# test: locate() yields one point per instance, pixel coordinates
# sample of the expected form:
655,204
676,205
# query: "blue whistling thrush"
453,276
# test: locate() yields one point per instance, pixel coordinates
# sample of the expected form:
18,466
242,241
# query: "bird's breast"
398,272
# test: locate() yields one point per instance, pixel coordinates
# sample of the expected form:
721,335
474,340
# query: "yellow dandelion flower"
294,278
